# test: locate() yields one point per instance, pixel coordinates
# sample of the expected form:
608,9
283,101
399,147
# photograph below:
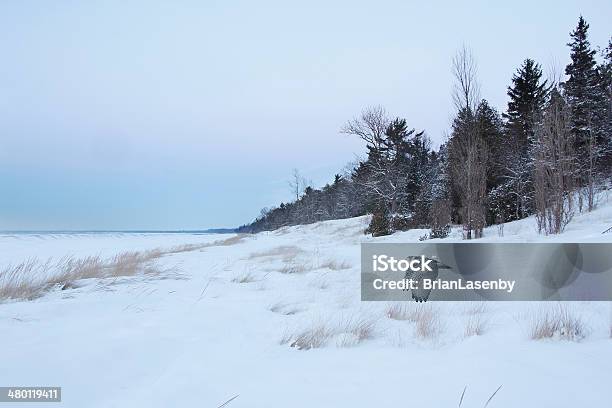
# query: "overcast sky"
184,115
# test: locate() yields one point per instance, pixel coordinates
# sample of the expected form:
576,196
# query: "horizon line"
134,231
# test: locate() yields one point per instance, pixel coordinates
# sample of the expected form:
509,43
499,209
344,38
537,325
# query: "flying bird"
419,294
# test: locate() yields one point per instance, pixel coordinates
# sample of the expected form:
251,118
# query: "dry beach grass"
557,323
31,278
347,332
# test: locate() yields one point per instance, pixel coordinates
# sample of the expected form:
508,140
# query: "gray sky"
172,115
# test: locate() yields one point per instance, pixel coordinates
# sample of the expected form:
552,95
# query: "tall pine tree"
605,80
585,96
490,126
528,94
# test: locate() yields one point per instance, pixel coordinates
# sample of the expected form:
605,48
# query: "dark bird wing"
420,294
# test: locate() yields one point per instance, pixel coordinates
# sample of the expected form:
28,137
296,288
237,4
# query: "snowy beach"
275,318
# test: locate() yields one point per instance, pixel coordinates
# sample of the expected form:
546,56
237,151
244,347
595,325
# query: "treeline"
545,155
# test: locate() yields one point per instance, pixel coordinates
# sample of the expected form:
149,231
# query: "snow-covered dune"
276,319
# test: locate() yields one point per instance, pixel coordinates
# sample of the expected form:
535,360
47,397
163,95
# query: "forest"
547,154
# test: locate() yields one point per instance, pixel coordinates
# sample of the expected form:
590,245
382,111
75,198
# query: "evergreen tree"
528,94
587,106
490,127
418,174
437,194
379,225
605,81
389,168
581,85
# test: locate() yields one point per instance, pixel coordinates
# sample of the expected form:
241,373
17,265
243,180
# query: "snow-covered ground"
17,247
226,329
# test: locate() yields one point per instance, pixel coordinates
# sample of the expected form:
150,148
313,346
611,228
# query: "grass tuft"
398,311
348,333
246,277
292,268
287,253
335,265
475,308
475,326
558,323
314,337
361,328
428,324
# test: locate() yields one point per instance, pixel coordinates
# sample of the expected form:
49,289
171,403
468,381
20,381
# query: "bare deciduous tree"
593,151
468,148
297,184
370,126
466,90
555,168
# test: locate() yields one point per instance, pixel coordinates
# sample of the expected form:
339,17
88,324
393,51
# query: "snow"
201,340
17,247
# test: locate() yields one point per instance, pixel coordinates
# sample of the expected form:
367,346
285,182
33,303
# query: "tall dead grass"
287,253
347,332
236,239
335,265
297,260
476,308
476,325
428,324
244,277
313,337
360,328
557,323
31,278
